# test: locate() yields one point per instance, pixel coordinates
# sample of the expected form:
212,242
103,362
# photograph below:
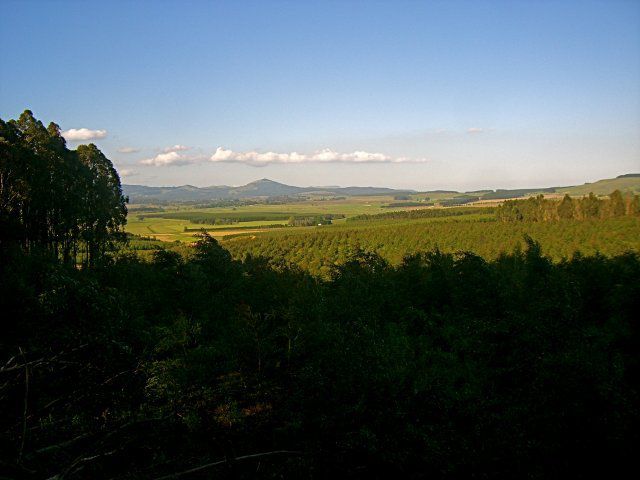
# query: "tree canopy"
67,203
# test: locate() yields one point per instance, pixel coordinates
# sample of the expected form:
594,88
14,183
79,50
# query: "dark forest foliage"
201,366
446,365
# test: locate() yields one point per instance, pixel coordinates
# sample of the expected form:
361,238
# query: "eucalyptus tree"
52,199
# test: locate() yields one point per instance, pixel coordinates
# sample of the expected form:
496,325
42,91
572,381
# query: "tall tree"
566,209
54,199
105,211
616,204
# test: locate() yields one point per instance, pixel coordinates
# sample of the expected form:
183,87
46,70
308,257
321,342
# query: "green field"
170,224
169,230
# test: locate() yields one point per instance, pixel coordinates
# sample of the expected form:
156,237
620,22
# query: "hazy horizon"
452,188
424,96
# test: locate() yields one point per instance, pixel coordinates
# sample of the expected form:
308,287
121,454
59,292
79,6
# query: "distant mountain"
184,193
266,188
263,188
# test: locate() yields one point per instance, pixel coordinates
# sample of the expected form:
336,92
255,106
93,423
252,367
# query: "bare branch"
222,462
35,363
25,410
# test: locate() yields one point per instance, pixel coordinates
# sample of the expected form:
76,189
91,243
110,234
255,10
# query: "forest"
236,360
540,209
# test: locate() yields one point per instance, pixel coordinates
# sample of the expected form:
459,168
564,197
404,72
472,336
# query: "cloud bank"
322,156
175,156
75,134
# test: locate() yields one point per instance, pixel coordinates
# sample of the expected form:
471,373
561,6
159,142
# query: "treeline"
407,204
245,202
423,213
236,227
461,200
506,194
67,203
144,209
540,209
230,218
311,220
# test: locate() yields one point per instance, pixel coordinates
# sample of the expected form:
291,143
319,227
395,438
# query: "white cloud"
127,172
176,148
74,134
174,156
475,130
128,150
169,158
322,156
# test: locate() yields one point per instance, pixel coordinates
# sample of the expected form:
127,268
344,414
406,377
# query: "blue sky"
408,94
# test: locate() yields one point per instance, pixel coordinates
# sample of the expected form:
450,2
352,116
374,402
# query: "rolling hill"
259,188
266,188
625,183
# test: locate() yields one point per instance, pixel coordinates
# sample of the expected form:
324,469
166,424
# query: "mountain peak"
265,181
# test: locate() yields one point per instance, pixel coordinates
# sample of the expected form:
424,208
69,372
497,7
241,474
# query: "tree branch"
222,462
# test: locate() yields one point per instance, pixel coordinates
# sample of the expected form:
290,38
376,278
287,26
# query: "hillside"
259,188
624,183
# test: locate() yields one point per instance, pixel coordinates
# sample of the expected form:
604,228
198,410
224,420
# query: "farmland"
170,224
181,221
368,224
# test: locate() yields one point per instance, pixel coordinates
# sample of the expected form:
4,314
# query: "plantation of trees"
199,365
540,209
423,213
321,250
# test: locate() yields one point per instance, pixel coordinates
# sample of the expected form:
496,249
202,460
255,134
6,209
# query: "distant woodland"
202,364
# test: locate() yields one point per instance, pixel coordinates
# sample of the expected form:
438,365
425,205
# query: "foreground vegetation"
196,365
440,367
